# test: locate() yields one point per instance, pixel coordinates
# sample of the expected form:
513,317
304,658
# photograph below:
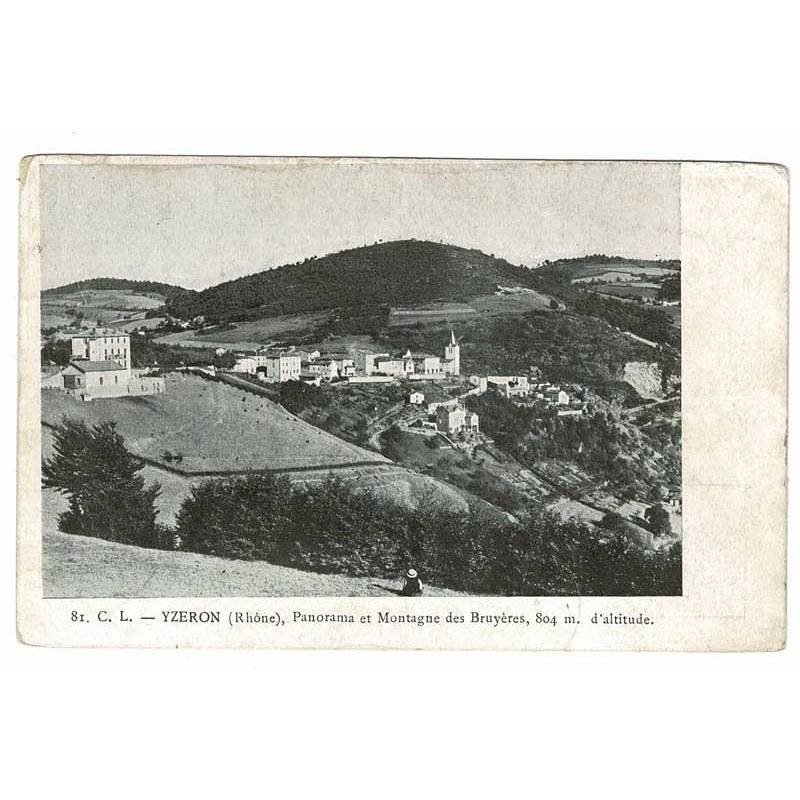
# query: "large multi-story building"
101,367
103,345
456,419
280,367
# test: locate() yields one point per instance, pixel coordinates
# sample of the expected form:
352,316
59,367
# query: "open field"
429,312
76,566
121,299
510,300
609,275
630,290
98,306
137,322
248,335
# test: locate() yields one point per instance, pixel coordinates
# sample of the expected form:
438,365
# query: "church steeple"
452,353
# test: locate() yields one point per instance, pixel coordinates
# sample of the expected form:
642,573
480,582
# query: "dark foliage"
147,353
670,289
57,352
330,528
107,495
297,397
658,519
597,442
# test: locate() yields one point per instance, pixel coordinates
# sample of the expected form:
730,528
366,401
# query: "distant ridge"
168,290
383,274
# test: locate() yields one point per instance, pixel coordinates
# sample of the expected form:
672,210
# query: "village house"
310,378
445,402
425,364
416,398
94,375
397,367
324,367
456,420
367,362
345,365
509,385
553,395
246,365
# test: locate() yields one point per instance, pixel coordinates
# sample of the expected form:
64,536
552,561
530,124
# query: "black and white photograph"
311,377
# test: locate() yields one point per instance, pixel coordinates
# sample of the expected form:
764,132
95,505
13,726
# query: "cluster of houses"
519,386
100,366
277,365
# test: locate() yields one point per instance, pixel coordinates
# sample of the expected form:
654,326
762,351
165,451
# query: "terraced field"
248,335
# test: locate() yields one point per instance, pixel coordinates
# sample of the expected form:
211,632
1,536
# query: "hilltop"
166,290
384,274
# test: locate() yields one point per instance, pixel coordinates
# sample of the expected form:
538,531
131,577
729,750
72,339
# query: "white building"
324,367
346,366
397,367
455,420
509,385
416,398
367,362
280,367
246,364
479,382
425,364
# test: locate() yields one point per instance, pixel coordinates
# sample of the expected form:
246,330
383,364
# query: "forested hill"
390,273
140,287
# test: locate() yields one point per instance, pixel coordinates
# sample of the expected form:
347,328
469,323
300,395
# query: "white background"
601,80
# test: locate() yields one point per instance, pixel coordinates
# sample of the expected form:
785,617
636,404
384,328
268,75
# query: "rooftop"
99,333
97,366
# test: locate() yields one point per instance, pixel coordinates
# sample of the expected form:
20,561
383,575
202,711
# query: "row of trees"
334,528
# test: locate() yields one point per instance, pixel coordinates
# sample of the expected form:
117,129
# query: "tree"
613,521
658,519
101,478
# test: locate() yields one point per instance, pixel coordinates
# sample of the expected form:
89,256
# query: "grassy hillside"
213,427
167,290
76,566
386,274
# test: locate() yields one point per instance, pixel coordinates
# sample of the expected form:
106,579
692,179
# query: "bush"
332,528
107,495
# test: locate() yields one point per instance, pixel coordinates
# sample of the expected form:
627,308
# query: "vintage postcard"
398,403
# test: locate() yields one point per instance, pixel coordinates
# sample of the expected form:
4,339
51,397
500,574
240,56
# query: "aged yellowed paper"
369,403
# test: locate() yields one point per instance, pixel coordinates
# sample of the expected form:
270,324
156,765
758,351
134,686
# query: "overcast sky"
199,225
